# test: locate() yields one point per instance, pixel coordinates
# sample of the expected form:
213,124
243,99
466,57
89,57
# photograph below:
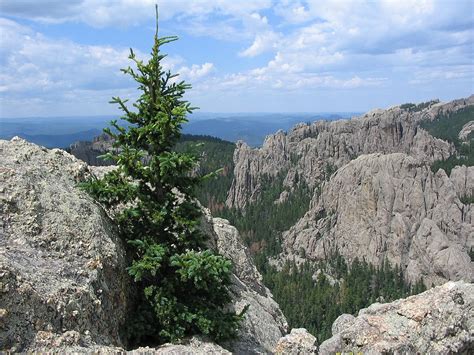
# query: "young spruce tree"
182,285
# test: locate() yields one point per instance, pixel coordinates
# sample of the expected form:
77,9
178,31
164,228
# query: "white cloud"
35,63
262,43
37,70
102,13
449,73
294,12
195,71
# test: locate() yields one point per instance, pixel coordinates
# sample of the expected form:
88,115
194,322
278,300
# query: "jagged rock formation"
90,151
392,206
438,321
63,283
264,323
307,151
386,203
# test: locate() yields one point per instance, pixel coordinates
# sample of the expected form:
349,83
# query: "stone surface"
264,322
62,277
193,346
462,178
392,206
341,323
63,284
298,342
438,321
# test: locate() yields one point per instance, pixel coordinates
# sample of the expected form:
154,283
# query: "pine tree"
181,284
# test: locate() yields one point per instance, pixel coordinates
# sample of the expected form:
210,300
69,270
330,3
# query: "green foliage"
467,199
263,221
329,169
447,127
450,163
182,286
420,107
315,302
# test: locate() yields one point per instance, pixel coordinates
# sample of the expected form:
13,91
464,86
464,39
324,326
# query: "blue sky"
62,58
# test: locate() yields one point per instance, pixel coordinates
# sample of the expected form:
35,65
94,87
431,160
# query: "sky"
63,58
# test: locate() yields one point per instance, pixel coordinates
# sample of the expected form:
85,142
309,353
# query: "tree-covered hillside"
447,127
314,295
214,155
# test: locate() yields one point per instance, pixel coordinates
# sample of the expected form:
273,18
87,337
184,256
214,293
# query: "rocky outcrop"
63,283
62,265
298,342
438,321
67,344
308,152
466,130
264,322
392,206
462,178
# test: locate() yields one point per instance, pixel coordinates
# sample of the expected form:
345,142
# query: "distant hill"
253,128
53,132
59,140
61,132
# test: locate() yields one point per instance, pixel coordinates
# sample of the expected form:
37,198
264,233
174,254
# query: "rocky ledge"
438,321
63,284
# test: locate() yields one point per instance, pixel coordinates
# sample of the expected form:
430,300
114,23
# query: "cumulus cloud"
196,71
287,45
35,63
355,43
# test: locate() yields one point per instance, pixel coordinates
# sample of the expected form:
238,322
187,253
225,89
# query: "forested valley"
311,295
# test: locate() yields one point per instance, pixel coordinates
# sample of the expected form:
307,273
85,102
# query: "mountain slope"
377,207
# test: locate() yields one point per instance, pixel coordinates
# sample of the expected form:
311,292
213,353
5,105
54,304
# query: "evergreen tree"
182,285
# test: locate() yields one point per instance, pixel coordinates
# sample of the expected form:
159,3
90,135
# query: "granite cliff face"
392,206
63,283
375,196
307,151
63,287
